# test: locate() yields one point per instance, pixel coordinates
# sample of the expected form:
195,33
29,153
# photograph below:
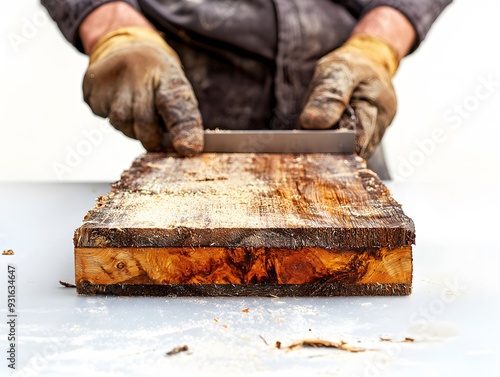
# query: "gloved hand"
358,73
136,80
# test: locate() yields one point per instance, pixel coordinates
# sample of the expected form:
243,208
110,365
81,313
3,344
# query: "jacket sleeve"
69,14
421,13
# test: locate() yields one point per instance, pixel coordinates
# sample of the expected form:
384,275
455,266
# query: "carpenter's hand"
136,80
358,73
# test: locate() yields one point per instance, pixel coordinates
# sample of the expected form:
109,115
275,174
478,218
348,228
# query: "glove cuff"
375,49
123,36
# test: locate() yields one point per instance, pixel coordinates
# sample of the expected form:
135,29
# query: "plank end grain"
246,224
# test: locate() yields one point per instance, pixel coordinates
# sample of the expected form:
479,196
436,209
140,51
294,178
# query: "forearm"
106,18
389,25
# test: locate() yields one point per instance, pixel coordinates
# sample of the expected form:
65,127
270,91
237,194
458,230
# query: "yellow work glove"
358,73
136,80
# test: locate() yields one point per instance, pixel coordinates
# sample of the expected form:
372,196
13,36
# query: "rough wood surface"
247,200
246,224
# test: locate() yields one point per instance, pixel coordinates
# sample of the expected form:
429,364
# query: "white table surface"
453,313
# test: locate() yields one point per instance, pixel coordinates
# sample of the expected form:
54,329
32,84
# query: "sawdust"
246,200
236,190
389,339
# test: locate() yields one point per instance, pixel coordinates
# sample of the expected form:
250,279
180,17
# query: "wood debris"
67,285
389,339
245,310
314,343
177,350
8,252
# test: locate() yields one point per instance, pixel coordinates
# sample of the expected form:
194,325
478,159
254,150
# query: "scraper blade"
277,141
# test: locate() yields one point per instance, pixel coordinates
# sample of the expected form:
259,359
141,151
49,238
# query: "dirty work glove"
358,73
136,80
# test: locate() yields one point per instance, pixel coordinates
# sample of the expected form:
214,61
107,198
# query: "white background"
44,121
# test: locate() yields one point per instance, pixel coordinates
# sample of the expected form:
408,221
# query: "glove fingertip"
314,120
153,145
322,116
187,138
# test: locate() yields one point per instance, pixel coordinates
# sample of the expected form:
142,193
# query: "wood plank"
246,224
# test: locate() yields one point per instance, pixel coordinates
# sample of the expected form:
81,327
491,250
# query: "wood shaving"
177,350
245,310
314,343
67,285
8,252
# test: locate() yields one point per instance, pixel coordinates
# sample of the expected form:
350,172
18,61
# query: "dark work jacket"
250,61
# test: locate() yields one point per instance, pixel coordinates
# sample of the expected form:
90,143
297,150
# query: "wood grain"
247,200
246,224
241,265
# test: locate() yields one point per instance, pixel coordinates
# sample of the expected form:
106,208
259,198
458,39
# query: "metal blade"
281,141
275,141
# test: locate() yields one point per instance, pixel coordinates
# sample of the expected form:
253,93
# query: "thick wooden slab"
246,224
